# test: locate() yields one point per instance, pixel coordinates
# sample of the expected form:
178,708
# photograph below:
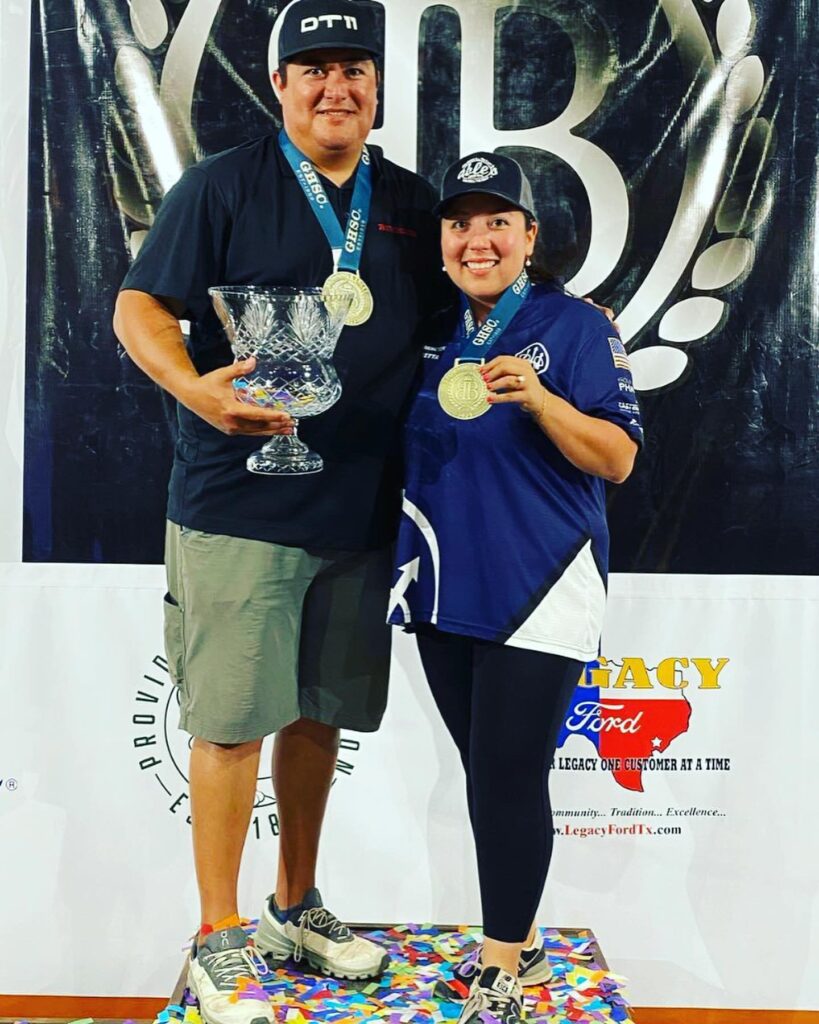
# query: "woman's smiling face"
485,243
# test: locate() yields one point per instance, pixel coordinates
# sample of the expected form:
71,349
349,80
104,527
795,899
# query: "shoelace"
315,918
470,966
499,1005
228,965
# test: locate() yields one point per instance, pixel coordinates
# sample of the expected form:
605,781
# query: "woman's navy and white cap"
329,25
487,174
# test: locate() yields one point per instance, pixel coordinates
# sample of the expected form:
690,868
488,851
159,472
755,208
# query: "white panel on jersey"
569,619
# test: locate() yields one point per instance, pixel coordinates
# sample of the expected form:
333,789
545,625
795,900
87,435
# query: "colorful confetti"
582,990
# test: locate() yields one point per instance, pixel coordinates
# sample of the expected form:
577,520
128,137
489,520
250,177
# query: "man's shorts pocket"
174,639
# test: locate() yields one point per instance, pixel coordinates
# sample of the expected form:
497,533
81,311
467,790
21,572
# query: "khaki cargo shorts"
258,635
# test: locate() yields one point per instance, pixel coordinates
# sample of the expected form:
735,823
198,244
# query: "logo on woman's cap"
476,171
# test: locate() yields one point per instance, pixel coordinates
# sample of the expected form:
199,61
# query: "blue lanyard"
477,342
347,246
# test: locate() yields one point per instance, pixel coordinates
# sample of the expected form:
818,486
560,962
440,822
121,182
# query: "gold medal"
342,284
462,393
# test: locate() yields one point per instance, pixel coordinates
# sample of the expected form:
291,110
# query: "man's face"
329,100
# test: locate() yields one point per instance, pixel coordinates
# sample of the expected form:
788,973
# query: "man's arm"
150,333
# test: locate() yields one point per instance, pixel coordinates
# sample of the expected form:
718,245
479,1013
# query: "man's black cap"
328,25
487,174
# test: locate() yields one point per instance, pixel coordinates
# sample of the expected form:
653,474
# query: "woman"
526,407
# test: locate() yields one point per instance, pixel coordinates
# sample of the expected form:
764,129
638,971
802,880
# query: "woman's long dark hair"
542,269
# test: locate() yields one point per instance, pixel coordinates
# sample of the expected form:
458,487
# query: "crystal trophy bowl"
292,333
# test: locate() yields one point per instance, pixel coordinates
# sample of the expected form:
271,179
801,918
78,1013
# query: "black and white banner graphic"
672,146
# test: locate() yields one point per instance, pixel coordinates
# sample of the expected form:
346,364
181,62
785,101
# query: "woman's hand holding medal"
510,379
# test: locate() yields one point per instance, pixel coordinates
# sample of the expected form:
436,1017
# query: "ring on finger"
520,378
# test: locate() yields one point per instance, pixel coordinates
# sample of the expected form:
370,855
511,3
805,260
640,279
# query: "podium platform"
582,990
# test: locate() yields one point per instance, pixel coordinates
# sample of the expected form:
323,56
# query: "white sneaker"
495,994
312,933
214,975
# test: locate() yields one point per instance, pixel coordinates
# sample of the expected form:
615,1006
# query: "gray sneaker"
496,994
533,969
214,977
312,933
533,966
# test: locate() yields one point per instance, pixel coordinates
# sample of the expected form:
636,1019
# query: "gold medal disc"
462,393
339,286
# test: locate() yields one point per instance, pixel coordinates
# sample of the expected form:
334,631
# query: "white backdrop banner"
684,792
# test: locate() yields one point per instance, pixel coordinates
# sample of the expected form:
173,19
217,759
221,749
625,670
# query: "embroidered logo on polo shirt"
537,355
396,229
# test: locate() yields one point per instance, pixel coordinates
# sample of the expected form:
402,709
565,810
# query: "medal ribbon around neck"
480,340
347,247
462,392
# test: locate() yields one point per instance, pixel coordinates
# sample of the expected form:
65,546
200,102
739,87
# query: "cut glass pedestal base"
285,456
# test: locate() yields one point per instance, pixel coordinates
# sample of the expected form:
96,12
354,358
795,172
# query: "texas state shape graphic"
626,726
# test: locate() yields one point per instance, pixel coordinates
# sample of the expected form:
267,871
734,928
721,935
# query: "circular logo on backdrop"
643,124
162,752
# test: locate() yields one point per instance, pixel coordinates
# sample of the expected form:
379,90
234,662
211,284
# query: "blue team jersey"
501,537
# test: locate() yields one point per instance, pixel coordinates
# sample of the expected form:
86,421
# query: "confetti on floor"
582,988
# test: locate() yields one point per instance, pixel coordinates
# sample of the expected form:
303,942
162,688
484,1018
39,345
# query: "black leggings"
504,708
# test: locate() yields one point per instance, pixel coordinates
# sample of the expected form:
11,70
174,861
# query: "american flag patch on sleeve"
618,354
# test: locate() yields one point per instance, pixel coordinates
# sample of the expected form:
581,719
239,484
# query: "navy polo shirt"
503,538
240,217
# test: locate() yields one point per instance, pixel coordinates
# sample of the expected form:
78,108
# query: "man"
277,586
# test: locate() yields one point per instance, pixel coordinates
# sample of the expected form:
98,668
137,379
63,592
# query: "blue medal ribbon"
478,341
347,246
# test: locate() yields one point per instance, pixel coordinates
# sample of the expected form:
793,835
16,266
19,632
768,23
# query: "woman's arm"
594,445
